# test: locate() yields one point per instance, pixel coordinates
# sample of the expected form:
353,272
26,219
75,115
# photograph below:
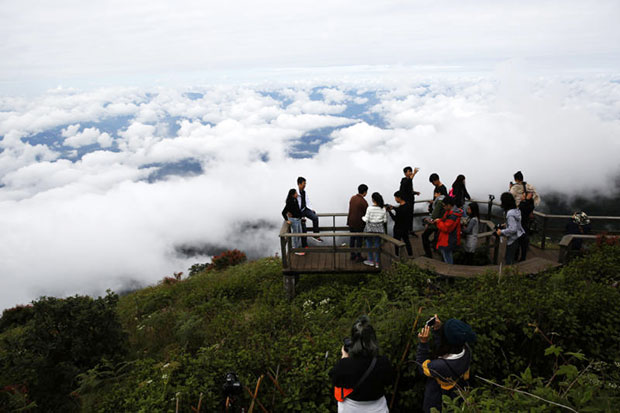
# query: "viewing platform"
333,254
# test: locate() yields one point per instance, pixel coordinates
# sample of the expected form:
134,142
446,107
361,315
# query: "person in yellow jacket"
450,367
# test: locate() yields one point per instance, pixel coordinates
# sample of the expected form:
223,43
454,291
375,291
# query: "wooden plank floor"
324,262
319,262
530,266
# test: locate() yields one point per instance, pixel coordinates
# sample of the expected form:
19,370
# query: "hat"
581,218
458,333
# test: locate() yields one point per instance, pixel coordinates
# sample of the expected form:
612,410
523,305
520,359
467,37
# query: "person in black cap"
451,366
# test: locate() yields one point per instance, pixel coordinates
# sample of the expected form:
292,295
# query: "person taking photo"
447,367
361,375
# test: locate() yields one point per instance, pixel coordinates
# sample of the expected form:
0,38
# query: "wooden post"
563,254
334,251
289,285
284,255
255,394
544,233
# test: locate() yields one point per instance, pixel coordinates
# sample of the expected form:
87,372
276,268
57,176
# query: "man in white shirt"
306,211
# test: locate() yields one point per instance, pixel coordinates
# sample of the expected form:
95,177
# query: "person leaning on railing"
361,375
375,219
449,368
292,215
513,230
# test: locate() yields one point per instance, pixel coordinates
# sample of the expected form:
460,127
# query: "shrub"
63,338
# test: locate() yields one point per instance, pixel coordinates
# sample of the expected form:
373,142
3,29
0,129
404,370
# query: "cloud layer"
101,187
69,42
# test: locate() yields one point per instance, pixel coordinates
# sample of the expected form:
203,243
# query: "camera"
347,343
232,385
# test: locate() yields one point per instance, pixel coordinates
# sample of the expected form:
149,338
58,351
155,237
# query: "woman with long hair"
471,232
361,375
459,191
375,219
292,215
513,230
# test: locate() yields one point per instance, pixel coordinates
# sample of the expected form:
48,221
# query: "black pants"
403,235
412,208
469,258
426,240
524,244
356,242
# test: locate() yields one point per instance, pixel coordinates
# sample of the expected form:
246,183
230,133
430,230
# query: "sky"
131,130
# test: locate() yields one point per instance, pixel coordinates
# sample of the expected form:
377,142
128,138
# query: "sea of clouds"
100,188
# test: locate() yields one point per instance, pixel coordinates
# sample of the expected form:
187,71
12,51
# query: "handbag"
374,227
340,393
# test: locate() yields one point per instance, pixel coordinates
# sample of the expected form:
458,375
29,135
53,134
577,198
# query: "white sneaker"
300,253
376,265
318,239
369,263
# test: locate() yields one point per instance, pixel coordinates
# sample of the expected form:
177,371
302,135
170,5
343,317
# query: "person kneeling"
449,370
360,376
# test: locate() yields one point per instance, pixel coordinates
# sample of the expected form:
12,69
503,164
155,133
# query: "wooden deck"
316,262
324,258
319,259
530,266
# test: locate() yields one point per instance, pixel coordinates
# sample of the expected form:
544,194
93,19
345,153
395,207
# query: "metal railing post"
490,207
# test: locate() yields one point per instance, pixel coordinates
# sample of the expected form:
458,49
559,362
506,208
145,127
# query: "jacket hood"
516,212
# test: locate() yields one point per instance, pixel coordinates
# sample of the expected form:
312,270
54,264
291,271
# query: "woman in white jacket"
375,219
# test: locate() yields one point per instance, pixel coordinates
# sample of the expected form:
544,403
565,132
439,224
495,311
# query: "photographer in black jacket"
360,376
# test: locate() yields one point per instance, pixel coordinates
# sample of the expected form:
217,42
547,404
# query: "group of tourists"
361,375
453,220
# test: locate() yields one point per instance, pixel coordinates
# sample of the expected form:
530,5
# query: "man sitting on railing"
306,211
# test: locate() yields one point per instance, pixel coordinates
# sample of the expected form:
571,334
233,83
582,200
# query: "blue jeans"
296,228
373,242
315,224
446,253
356,242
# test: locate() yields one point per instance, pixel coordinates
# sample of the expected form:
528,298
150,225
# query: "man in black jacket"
406,189
402,221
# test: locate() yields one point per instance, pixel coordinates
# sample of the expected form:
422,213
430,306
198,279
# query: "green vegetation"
554,336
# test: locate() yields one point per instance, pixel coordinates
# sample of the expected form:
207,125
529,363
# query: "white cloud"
88,136
46,44
82,225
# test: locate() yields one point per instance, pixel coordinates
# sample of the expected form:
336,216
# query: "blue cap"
458,333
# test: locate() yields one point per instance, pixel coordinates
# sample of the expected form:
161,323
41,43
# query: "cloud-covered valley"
100,188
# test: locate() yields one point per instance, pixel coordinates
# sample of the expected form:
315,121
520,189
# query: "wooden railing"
565,246
546,220
387,249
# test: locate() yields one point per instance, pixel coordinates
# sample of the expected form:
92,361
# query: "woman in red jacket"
449,227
